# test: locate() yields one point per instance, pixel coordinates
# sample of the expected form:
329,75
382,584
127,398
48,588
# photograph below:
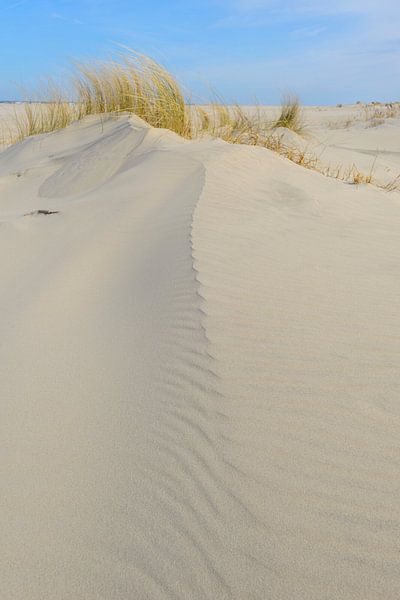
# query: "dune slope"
199,373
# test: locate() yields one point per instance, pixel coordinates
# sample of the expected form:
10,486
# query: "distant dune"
199,366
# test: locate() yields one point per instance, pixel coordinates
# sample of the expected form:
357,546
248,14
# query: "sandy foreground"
199,367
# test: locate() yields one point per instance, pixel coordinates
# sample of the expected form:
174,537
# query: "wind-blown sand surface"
199,369
343,137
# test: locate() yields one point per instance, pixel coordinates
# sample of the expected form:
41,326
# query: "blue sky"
326,51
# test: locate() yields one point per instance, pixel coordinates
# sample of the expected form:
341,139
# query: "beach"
199,365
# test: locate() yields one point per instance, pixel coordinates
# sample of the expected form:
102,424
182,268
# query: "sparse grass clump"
229,123
353,175
375,113
39,117
393,185
291,115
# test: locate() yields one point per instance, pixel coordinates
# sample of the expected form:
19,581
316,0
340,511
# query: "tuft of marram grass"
37,118
291,115
232,124
138,85
50,111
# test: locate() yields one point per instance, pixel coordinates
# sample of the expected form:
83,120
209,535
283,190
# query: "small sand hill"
199,369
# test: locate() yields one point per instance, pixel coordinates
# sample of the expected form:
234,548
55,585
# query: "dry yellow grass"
140,85
38,118
232,124
291,115
136,84
377,111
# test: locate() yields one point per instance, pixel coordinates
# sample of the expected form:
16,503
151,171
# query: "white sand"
199,370
350,136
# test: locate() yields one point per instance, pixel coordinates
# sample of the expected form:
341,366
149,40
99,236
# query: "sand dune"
346,137
199,373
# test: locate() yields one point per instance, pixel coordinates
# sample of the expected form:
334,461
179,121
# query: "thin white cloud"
308,32
14,5
331,49
250,11
73,20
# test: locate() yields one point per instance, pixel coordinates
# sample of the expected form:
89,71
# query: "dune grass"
377,111
139,85
372,114
43,117
136,84
291,115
